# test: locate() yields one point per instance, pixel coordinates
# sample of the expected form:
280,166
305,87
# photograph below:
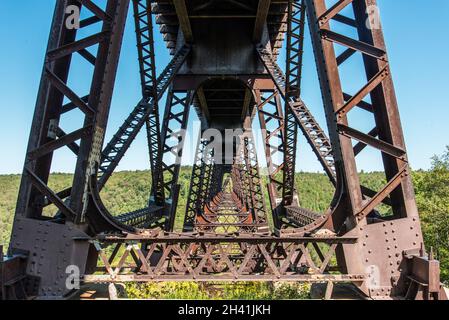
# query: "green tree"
432,195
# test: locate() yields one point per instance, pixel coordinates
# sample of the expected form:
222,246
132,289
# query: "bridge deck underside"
199,11
224,63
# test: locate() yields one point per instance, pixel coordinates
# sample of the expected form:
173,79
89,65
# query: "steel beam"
261,19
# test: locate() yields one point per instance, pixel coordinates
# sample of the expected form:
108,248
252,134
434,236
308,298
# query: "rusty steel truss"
237,224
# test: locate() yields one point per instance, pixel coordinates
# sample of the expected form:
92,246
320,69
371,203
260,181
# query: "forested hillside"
127,191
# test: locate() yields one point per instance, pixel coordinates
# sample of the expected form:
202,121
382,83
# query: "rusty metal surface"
229,75
13,277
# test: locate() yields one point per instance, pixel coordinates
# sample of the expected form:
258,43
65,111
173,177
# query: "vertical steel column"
100,97
125,135
173,138
147,66
48,111
246,174
46,135
216,181
237,187
271,119
42,238
312,131
386,113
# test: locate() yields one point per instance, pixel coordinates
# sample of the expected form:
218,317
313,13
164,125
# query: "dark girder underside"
220,11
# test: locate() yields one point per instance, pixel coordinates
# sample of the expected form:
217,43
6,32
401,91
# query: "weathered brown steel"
174,126
228,77
295,49
297,109
271,121
28,234
122,140
224,216
143,20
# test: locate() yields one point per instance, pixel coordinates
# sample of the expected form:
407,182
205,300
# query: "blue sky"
417,38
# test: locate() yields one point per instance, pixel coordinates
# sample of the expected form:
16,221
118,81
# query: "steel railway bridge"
225,58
